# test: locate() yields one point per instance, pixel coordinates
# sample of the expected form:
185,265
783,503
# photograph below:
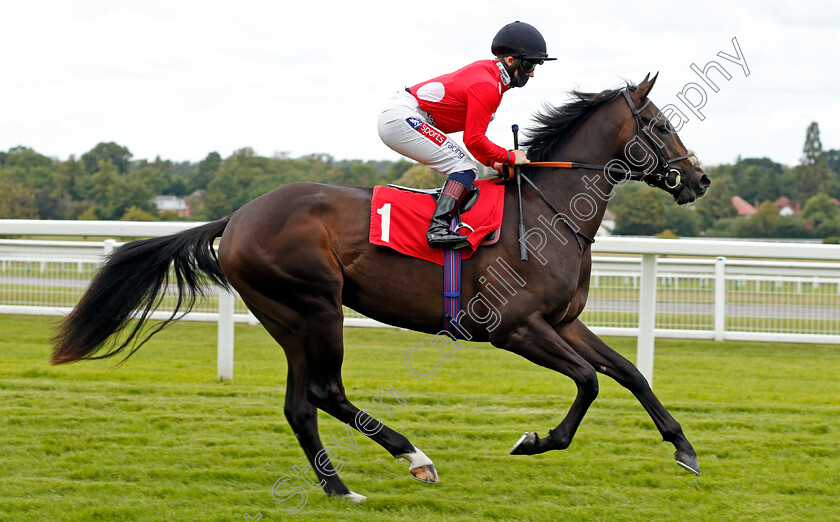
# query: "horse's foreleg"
537,341
607,361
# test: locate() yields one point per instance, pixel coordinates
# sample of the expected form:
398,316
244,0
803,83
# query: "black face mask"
518,78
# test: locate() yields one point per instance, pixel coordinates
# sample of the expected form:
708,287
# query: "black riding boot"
439,235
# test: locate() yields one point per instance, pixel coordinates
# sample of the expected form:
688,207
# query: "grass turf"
160,439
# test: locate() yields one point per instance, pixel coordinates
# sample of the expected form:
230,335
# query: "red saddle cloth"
399,219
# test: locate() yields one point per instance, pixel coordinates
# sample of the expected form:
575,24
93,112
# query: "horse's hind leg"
323,343
607,361
298,297
301,414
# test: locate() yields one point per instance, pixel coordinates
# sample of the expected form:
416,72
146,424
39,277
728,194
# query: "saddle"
469,200
400,218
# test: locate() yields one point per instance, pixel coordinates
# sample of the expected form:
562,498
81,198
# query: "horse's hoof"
351,497
425,474
525,444
420,466
688,462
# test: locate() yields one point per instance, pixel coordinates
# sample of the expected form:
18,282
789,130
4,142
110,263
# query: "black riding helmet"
523,42
520,40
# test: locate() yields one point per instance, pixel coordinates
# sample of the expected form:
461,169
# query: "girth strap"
451,290
452,287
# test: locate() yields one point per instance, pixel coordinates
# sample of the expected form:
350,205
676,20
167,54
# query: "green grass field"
160,439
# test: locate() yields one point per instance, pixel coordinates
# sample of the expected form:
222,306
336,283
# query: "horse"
299,253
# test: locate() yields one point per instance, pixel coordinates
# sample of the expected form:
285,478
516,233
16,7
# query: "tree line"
107,183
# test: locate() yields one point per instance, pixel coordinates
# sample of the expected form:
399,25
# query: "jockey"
415,121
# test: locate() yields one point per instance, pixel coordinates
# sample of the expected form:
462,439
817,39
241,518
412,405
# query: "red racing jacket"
466,100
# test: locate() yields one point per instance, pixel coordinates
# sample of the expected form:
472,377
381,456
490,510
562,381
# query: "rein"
578,234
626,174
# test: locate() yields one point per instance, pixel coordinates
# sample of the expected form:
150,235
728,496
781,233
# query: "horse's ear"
646,86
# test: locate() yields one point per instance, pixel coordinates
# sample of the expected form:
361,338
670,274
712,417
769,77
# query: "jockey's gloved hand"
517,157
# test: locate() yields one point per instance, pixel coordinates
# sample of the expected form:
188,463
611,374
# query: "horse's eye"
663,129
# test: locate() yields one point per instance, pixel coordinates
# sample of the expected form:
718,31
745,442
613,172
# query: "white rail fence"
641,287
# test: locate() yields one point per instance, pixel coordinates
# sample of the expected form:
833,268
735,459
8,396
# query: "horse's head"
654,147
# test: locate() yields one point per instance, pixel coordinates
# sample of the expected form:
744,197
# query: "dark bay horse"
300,252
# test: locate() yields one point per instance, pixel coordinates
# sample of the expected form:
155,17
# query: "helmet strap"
517,77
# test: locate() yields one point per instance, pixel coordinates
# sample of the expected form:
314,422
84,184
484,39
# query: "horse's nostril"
705,182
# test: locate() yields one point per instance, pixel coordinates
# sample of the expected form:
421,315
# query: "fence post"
108,246
647,317
720,298
224,356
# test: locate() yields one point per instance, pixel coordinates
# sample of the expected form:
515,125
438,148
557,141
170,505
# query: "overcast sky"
180,79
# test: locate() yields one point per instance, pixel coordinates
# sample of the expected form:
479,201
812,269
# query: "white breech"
406,128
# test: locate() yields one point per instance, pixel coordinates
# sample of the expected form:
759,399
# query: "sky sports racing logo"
427,130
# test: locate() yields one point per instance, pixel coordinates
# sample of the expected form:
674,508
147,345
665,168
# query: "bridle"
662,175
671,179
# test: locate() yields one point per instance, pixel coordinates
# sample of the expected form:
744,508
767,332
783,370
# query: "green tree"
151,180
16,200
69,178
681,220
809,180
716,203
765,221
812,150
420,176
397,169
832,157
726,227
792,227
813,174
113,194
29,168
118,155
244,176
832,188
668,234
233,185
25,158
640,215
828,228
89,214
135,213
757,179
359,174
52,205
820,209
204,172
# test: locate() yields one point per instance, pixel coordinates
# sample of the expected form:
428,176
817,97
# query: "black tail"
135,278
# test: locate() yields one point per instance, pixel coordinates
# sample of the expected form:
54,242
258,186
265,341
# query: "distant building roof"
788,206
170,203
742,207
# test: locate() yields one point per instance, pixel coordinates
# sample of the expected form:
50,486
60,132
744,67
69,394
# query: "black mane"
555,123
